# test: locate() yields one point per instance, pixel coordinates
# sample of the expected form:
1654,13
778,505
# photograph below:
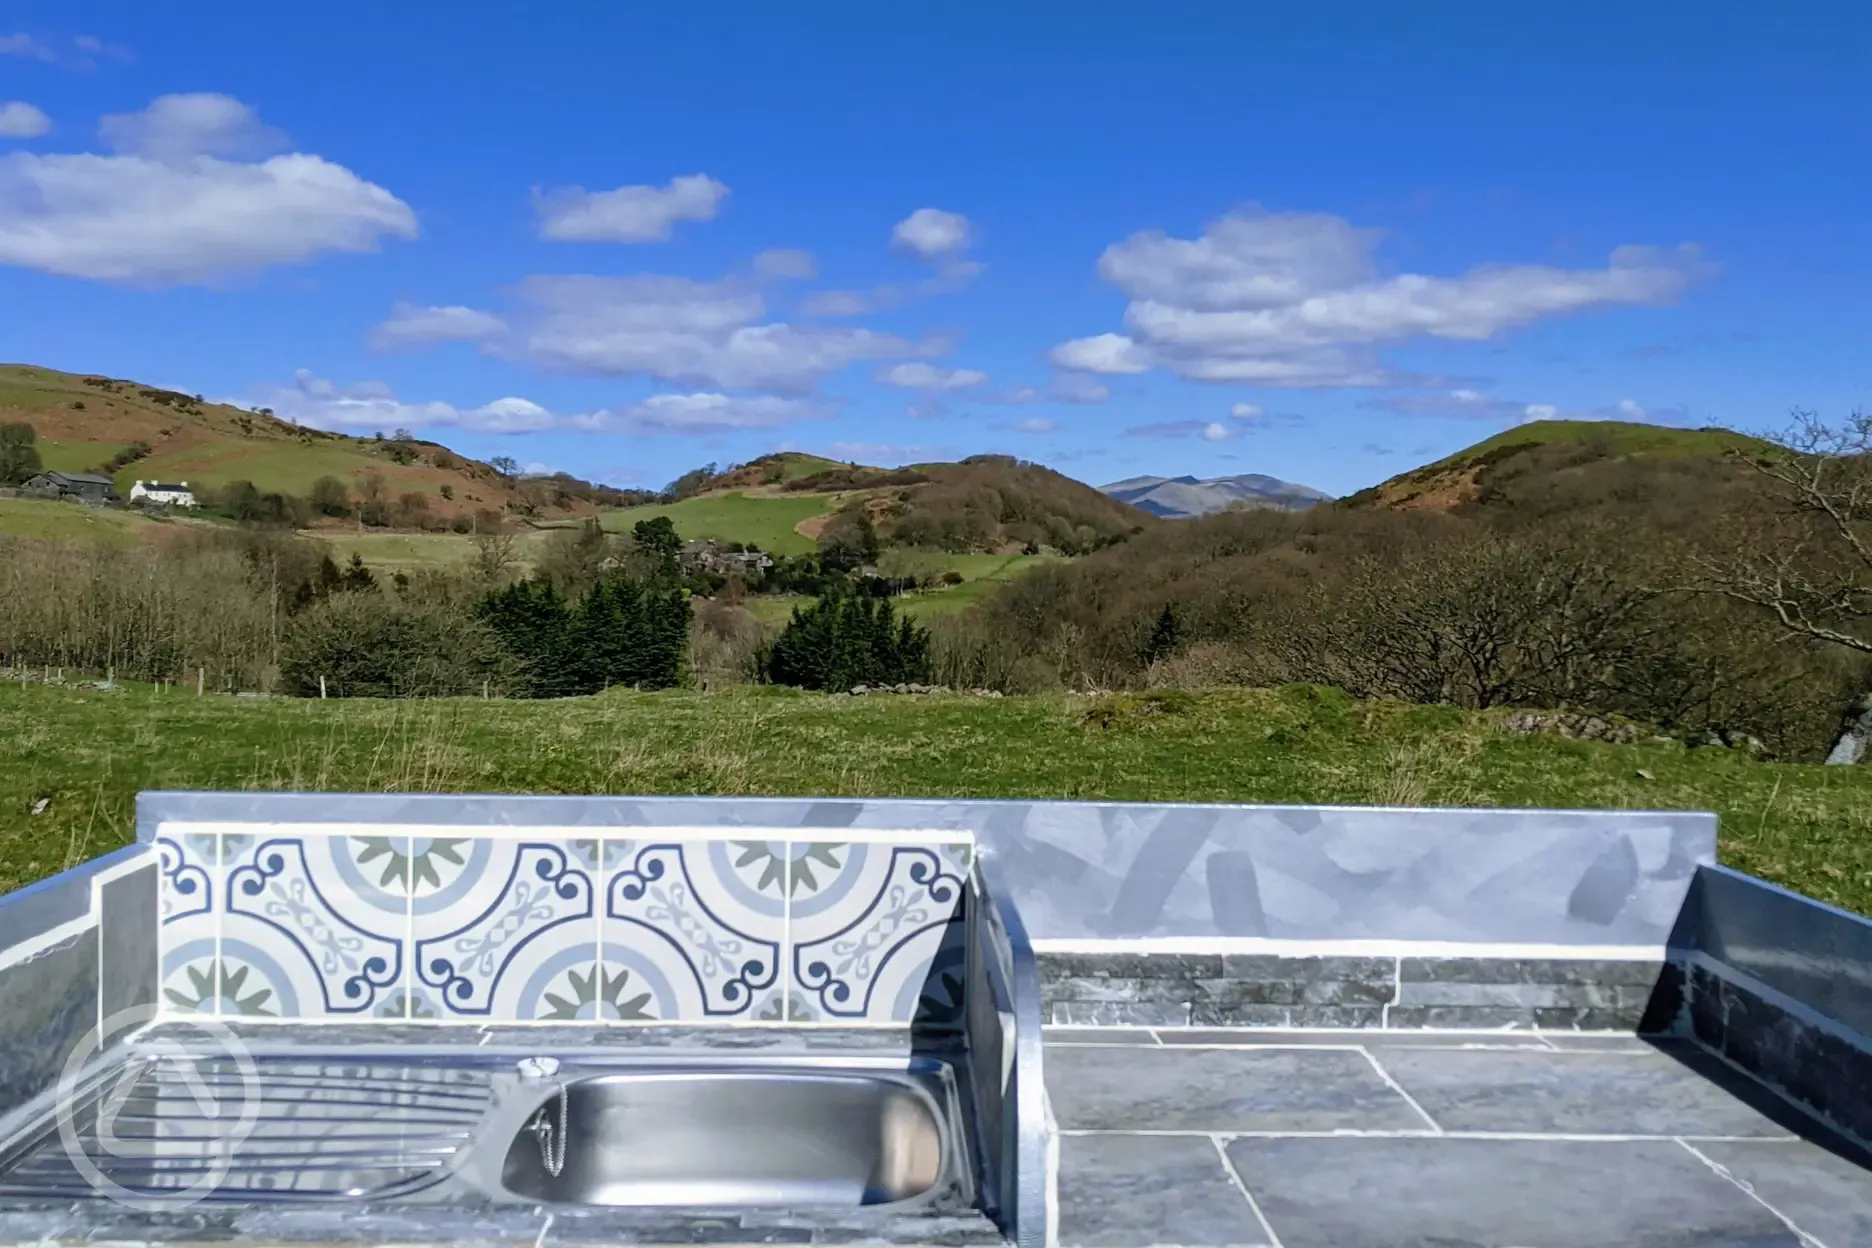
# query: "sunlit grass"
88,753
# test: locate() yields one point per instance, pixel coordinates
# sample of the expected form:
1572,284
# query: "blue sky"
1323,241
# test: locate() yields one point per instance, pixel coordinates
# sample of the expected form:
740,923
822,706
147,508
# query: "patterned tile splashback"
1117,871
696,925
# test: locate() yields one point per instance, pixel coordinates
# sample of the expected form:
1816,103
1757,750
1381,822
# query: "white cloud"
175,128
1063,388
1245,411
95,46
373,406
917,375
884,454
1295,300
168,211
25,45
1176,429
412,326
1474,405
1037,425
786,263
932,233
679,330
704,413
1216,431
20,120
630,214
1108,354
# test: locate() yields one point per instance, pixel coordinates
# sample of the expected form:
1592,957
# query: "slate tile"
1590,1093
1823,1193
1125,1191
1186,1089
1446,1193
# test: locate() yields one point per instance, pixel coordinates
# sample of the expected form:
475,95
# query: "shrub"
19,453
372,645
329,497
840,642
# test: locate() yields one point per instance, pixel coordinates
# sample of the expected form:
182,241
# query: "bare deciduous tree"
1807,558
494,554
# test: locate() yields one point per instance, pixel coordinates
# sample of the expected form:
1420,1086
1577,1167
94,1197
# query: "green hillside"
769,521
1451,481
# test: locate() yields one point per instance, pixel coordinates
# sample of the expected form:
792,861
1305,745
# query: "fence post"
321,688
201,680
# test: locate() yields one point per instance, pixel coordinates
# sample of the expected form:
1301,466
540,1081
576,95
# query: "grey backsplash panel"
48,1003
67,945
1087,871
1794,945
1781,986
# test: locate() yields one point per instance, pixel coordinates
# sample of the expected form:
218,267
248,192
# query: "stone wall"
1360,991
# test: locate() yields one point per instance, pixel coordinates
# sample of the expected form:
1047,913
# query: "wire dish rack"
199,1128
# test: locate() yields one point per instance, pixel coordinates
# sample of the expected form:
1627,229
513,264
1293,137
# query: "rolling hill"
986,504
91,423
1179,498
1461,479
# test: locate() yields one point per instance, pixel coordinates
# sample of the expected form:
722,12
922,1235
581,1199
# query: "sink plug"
538,1067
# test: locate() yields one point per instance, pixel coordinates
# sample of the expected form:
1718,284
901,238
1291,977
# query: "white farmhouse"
162,495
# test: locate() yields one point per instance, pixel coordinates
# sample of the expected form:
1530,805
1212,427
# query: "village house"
708,555
83,487
155,493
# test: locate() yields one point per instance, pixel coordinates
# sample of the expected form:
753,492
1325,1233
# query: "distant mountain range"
1179,498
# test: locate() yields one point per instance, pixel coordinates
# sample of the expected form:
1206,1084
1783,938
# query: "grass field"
412,551
766,521
88,753
76,456
72,522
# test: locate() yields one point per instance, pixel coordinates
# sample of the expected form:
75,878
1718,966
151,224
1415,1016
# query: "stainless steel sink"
729,1138
622,1129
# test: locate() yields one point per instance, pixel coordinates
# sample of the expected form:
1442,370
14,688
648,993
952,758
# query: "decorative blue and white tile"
191,976
190,923
406,1003
695,925
319,923
871,928
501,929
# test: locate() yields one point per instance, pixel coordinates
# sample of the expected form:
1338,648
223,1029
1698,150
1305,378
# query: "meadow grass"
412,551
766,521
288,467
76,456
87,753
62,520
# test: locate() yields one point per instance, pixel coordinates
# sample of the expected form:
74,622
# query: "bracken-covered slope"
1460,479
87,422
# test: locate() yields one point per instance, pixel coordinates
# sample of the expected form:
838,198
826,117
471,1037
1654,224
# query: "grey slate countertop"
1243,1139
1235,1139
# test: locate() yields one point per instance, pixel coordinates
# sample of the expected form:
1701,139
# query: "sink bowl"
720,1139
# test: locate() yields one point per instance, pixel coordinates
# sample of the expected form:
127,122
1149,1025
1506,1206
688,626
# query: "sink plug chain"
547,1135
